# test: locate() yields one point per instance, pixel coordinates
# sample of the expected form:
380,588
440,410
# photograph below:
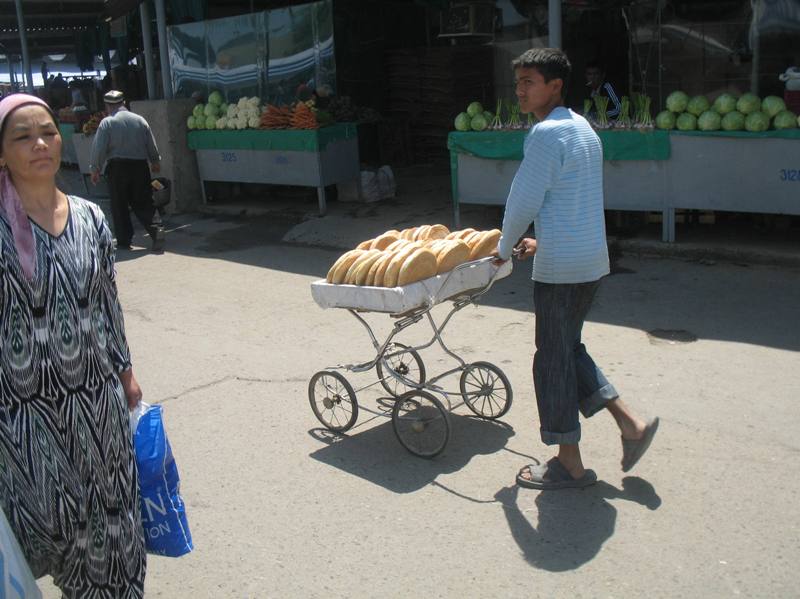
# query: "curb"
705,254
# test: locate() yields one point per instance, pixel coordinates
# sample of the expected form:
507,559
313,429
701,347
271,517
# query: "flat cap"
114,97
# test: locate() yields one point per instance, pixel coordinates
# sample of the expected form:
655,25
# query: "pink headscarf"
9,198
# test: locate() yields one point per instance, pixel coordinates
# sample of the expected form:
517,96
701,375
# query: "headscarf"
10,201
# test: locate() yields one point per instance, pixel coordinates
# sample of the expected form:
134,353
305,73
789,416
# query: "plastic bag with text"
166,529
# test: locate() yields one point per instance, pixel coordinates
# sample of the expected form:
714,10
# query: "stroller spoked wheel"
486,390
394,368
421,423
333,400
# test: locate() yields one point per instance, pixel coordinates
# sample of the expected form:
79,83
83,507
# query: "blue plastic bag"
166,529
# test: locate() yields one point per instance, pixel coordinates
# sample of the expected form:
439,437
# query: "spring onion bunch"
601,103
624,120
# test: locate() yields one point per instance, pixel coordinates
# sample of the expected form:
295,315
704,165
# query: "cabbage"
686,122
211,110
709,121
215,98
785,119
665,120
756,121
223,108
677,101
462,122
474,109
698,105
479,122
733,121
724,104
748,103
772,105
197,111
190,123
488,116
211,122
200,122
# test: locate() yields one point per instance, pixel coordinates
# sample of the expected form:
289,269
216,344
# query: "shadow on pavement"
376,455
573,523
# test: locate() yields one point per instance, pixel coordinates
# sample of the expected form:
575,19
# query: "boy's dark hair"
552,63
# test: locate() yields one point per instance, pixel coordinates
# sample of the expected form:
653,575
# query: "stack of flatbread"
397,258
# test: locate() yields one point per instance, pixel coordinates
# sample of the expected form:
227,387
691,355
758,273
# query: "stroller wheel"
333,400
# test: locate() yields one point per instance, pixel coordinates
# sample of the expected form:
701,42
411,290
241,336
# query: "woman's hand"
133,392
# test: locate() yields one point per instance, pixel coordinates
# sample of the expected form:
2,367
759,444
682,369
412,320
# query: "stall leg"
454,190
668,225
203,192
323,208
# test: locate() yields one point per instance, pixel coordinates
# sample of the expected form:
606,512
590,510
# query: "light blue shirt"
559,187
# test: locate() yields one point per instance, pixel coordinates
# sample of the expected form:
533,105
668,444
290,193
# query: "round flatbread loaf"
373,271
380,272
365,245
473,237
421,234
339,269
393,270
349,277
408,233
381,242
362,272
455,253
466,233
421,264
485,245
438,232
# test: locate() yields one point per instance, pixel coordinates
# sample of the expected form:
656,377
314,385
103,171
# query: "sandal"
634,449
553,475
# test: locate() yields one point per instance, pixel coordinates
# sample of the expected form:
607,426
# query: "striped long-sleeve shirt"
559,187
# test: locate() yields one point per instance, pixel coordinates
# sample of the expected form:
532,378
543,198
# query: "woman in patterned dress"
68,479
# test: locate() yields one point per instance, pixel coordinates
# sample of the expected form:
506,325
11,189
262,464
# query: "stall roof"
51,25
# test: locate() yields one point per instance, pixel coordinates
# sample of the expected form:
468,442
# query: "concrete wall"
167,119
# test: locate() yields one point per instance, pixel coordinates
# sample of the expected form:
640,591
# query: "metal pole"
23,40
161,21
147,44
554,22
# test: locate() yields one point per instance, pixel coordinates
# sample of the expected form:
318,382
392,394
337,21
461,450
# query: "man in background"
598,86
125,149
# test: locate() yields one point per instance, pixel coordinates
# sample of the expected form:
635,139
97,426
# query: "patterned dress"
68,480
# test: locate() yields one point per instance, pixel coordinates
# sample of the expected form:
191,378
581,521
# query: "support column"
161,21
554,23
23,39
147,41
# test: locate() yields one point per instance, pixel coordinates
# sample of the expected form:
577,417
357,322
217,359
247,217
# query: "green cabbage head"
665,120
772,105
677,101
785,119
756,121
698,105
724,104
748,103
733,121
709,121
686,122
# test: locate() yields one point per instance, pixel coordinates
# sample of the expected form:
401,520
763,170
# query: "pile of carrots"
297,116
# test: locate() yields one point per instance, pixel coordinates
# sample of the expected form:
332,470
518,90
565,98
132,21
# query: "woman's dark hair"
552,63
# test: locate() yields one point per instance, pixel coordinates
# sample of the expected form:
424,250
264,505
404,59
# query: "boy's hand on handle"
525,248
95,177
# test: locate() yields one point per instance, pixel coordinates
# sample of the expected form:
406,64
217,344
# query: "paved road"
225,336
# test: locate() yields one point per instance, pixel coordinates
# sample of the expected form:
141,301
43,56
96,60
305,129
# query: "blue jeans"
565,377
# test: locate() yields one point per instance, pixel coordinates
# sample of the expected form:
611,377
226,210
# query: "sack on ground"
16,579
166,529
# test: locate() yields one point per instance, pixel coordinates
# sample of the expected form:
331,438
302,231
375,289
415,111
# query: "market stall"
658,171
313,157
483,165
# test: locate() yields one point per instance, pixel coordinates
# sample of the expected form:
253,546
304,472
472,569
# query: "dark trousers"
129,185
566,379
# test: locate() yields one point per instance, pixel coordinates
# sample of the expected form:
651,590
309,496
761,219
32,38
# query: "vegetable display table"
656,171
312,158
82,144
68,155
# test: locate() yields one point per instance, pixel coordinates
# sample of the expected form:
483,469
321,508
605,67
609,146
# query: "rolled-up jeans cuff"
571,438
589,406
